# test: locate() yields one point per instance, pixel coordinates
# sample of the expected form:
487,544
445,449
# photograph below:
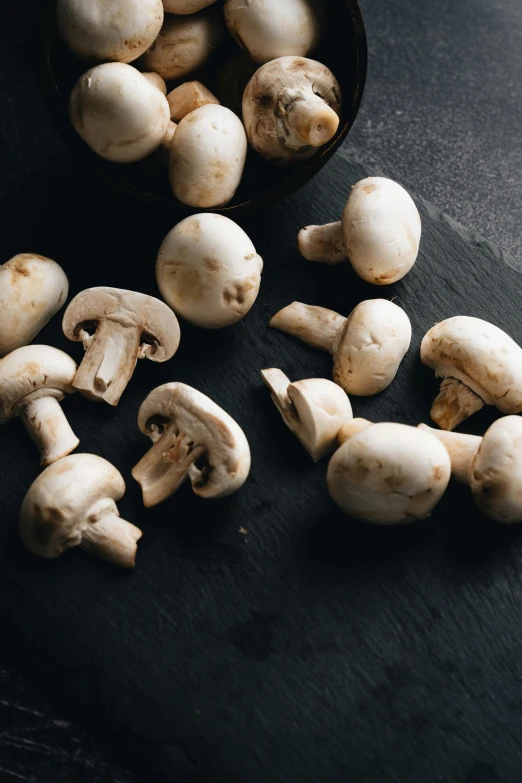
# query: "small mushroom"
33,381
480,365
367,347
386,474
291,106
186,6
188,97
208,271
73,503
193,438
32,290
117,328
100,31
207,157
379,233
313,409
119,113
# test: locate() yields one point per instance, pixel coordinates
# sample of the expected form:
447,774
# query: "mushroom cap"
30,369
370,347
495,474
389,474
269,30
119,113
208,270
481,356
207,157
55,511
32,290
186,6
154,318
382,230
226,462
101,31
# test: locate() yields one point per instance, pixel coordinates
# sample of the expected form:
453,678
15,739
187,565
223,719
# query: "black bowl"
343,49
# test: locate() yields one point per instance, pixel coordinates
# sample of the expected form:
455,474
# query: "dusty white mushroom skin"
291,106
367,347
100,31
380,233
32,290
188,97
314,409
186,6
116,328
386,474
193,438
208,271
33,381
73,503
207,157
480,364
119,113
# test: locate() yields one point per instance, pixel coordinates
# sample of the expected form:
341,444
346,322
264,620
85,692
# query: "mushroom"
186,6
156,80
208,271
119,113
117,328
32,290
99,31
269,30
207,157
491,466
184,44
388,474
72,503
33,381
187,97
480,365
291,106
379,233
367,347
193,437
313,409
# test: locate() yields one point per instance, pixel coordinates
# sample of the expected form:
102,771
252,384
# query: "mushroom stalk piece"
314,325
48,427
188,97
323,243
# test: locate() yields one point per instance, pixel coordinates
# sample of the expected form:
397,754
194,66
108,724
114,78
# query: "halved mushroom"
186,6
188,97
72,503
367,347
117,328
480,364
193,438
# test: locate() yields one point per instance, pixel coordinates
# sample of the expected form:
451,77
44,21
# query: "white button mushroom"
99,31
367,347
188,97
32,290
33,381
186,6
313,409
117,328
119,113
386,474
193,438
208,271
73,503
291,106
480,364
207,157
379,233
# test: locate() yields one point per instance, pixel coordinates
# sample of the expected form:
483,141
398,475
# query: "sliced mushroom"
193,438
117,328
188,97
291,106
186,6
32,290
313,409
367,347
73,503
480,364
33,381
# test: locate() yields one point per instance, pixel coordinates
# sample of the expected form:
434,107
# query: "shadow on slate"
311,649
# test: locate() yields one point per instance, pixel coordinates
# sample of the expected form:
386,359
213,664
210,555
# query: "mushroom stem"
316,326
461,448
278,384
312,120
48,427
323,243
110,537
454,404
157,80
351,428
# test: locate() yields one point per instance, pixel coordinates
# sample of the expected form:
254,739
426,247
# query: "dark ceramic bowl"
343,50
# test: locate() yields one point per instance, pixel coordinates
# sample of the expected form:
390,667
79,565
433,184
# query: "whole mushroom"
117,328
379,233
186,6
193,438
367,347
